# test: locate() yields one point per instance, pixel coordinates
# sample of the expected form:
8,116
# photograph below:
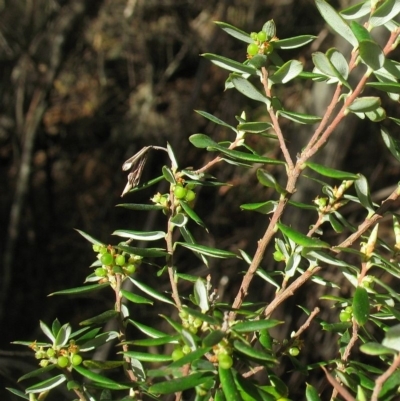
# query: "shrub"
219,351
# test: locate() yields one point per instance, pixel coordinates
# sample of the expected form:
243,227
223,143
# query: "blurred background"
85,84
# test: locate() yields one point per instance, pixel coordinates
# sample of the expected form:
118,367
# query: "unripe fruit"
253,35
294,351
252,49
62,361
190,195
268,48
180,192
120,260
344,316
76,360
130,269
107,259
100,272
225,361
197,322
103,250
261,36
186,349
177,353
50,352
96,247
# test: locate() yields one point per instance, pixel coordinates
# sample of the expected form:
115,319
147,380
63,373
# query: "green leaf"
98,341
102,365
253,353
99,379
357,10
371,54
385,12
140,235
201,295
301,239
228,384
37,372
391,143
392,338
312,393
376,349
376,115
336,22
366,103
213,338
201,141
17,393
146,357
214,119
286,72
255,325
46,330
100,319
385,86
293,43
235,32
168,175
189,358
63,335
144,252
212,320
361,306
180,384
137,299
150,291
152,342
360,32
136,206
333,65
268,180
192,214
246,157
229,64
46,384
89,237
247,89
255,127
208,251
260,207
363,192
171,155
330,172
149,331
299,117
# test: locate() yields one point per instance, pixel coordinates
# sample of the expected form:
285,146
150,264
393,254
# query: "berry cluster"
63,358
262,44
115,263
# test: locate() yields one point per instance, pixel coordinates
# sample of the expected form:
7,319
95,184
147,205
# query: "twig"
337,386
307,323
383,377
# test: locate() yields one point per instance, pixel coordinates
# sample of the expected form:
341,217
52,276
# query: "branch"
383,377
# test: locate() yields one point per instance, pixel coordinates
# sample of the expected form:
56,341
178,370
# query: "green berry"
120,260
130,269
261,36
294,351
62,361
100,272
103,250
197,322
225,361
180,192
76,360
268,48
177,353
50,352
96,247
186,349
107,259
252,49
344,316
190,195
253,35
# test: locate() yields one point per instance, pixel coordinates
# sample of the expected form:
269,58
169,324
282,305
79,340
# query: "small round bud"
190,195
180,192
225,361
107,259
261,36
177,353
100,272
62,361
76,360
252,49
120,260
130,269
294,351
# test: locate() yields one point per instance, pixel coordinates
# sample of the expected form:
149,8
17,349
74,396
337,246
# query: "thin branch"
337,386
383,377
307,323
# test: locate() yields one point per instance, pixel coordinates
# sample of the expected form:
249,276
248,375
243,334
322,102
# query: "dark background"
86,84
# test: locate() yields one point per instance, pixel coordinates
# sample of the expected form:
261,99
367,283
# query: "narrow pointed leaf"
293,43
150,342
363,192
100,319
392,338
385,12
144,252
235,32
360,32
253,353
137,299
146,357
312,393
287,72
150,291
213,338
149,331
102,365
47,331
168,175
229,64
46,384
255,325
63,335
137,206
330,172
208,251
201,295
376,349
255,127
335,21
37,372
201,141
364,104
89,237
98,341
17,393
215,120
361,306
247,89
299,117
180,384
391,143
228,384
260,207
245,157
385,86
95,377
357,10
301,239
140,235
192,214
171,155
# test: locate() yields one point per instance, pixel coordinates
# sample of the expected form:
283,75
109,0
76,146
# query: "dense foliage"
216,350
